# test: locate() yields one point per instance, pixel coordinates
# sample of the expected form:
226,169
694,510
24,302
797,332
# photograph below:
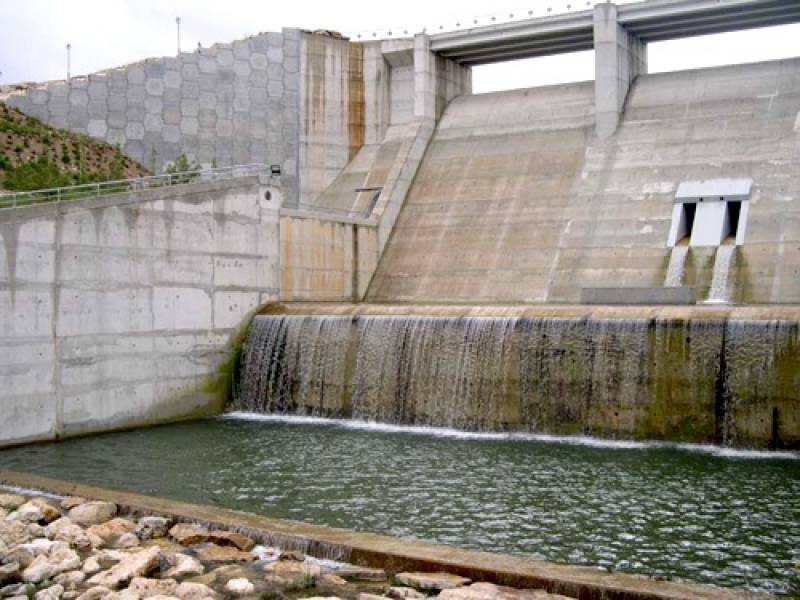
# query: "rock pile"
78,549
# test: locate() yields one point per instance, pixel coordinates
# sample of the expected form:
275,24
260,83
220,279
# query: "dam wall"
122,311
723,376
304,102
518,200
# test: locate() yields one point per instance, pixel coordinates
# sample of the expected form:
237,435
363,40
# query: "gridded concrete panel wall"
120,311
229,103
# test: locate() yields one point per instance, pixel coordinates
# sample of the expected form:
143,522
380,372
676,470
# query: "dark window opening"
734,210
689,211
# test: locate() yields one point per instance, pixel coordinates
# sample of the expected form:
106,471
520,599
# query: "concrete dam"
616,258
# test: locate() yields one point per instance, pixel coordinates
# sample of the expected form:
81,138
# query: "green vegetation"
187,169
35,156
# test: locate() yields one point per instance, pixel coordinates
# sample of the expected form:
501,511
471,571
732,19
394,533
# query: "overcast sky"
108,33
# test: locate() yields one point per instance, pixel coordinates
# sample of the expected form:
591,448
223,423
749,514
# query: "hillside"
36,156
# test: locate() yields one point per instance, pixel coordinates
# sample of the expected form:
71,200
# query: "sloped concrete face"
121,313
518,201
482,220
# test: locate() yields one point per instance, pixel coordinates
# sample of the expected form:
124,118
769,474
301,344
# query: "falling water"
680,380
677,263
720,280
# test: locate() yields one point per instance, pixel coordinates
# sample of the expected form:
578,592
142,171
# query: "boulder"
92,513
44,546
184,566
368,596
431,581
229,538
136,564
91,566
490,591
14,532
46,567
17,598
109,558
9,573
20,555
17,589
65,530
356,573
332,580
71,595
221,574
152,527
127,594
147,588
95,593
292,574
70,502
194,591
240,587
292,555
267,553
35,530
401,593
228,554
70,579
167,545
11,501
38,510
189,533
54,592
115,533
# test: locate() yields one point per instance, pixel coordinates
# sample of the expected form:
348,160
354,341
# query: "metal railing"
107,188
463,22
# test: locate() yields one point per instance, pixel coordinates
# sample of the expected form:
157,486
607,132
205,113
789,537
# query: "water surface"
729,518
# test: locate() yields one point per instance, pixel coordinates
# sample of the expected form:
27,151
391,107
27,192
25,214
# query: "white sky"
107,33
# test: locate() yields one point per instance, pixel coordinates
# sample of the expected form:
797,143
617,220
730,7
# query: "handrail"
105,188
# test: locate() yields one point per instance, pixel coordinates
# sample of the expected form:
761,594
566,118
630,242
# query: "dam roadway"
652,21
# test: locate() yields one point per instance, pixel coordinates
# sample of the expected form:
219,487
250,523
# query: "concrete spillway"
693,375
517,199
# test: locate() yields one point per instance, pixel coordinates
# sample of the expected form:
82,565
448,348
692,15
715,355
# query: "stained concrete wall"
120,311
332,103
226,104
325,258
519,200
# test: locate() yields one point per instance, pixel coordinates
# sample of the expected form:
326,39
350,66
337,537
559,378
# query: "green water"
667,512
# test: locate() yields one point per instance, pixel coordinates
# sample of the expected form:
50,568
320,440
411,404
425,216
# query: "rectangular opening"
689,211
734,210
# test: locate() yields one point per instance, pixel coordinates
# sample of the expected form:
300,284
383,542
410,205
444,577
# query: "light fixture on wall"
274,170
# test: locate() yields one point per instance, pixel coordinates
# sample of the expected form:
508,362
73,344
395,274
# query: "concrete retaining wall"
326,258
229,103
120,311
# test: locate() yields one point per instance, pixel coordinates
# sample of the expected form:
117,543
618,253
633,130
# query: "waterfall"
720,291
677,263
677,379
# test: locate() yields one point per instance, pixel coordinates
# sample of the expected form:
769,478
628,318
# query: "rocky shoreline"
54,548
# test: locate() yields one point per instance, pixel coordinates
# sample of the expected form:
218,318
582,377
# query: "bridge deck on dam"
516,200
652,21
